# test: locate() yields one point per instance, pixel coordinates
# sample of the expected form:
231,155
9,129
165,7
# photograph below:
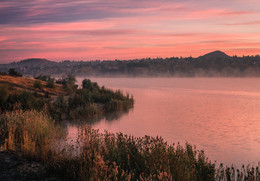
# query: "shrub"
13,72
50,83
26,100
87,84
68,83
59,108
4,94
83,112
42,77
3,73
37,84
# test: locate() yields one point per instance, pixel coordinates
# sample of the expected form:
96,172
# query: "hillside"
65,100
36,60
214,55
213,64
19,84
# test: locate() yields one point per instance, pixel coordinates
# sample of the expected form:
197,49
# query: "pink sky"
127,29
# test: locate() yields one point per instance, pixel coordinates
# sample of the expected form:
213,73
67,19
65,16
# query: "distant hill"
214,55
212,64
29,66
34,62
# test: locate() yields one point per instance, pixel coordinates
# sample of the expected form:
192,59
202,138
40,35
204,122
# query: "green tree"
13,72
87,84
69,83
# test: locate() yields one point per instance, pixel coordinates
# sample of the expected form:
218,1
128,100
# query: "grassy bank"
107,156
27,127
63,99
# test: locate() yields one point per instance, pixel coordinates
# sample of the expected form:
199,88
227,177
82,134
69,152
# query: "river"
219,115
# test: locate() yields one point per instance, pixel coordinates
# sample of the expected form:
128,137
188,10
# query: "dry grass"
29,132
19,84
108,156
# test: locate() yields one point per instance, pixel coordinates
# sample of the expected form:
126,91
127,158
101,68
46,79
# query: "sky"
126,29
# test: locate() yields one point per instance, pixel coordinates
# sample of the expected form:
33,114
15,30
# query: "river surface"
219,115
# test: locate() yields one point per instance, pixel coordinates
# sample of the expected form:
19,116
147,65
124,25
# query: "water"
219,115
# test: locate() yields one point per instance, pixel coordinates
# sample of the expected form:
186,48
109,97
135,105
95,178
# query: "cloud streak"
98,29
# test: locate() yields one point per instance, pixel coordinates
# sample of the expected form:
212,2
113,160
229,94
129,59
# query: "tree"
42,77
68,83
13,72
87,84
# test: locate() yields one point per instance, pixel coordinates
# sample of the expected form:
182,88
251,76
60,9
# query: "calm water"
219,115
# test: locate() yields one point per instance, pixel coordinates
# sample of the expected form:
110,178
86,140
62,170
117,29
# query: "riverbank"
14,166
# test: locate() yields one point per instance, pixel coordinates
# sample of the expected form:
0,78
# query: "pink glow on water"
219,115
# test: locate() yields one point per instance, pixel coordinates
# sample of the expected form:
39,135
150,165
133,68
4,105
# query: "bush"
42,77
3,73
13,72
59,109
50,83
68,83
25,100
37,84
87,84
84,112
4,94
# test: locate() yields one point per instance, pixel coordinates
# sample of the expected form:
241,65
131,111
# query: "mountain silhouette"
214,55
36,61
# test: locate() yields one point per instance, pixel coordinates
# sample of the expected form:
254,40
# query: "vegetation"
50,83
42,77
89,101
4,94
3,73
250,173
107,156
27,127
120,157
37,84
13,72
28,132
68,103
102,156
68,83
214,64
16,85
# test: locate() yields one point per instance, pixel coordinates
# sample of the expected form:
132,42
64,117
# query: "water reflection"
108,117
219,115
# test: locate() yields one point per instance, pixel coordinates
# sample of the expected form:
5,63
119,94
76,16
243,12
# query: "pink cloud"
151,29
245,23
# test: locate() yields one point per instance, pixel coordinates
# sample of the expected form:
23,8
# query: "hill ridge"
215,54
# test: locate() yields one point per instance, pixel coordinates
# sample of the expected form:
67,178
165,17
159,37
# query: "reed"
109,156
30,132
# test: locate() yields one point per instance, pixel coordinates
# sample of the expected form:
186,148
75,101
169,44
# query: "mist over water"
219,115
